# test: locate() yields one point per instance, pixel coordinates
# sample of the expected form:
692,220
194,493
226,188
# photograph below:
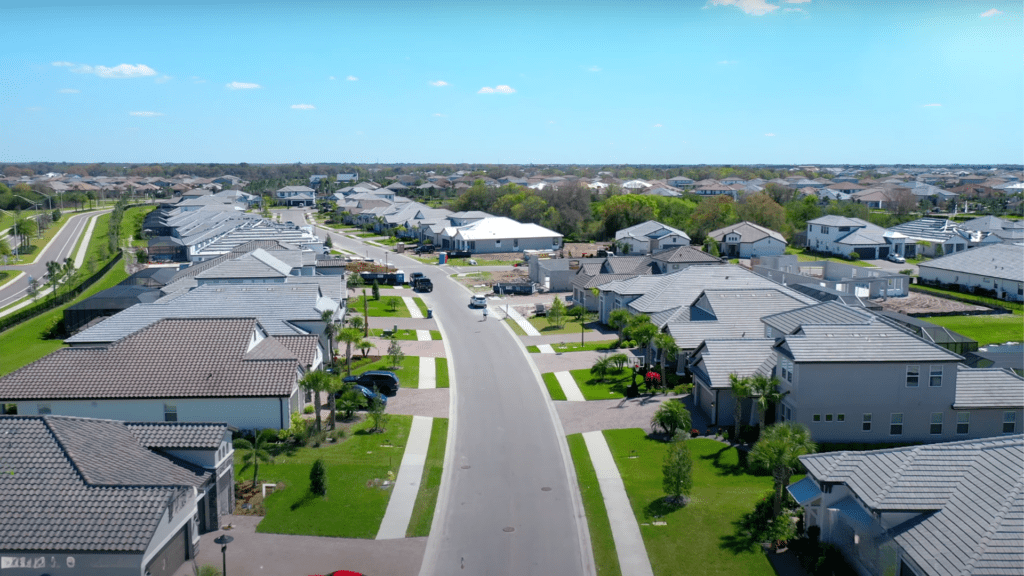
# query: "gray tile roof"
257,264
831,312
78,484
970,496
1004,261
276,305
178,435
687,255
988,388
872,343
173,358
725,314
649,229
715,360
831,220
748,232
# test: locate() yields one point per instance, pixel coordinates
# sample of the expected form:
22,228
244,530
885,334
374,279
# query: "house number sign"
33,562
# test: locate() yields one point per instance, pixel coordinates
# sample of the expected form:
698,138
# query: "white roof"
500,227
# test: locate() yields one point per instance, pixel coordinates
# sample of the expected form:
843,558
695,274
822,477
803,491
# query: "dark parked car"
420,283
379,380
366,393
424,249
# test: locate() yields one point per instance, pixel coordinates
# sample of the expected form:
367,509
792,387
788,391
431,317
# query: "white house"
296,196
844,236
748,240
997,269
650,236
498,234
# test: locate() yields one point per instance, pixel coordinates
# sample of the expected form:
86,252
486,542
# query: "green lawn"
568,327
554,388
24,343
441,374
408,374
515,327
533,349
405,334
614,385
421,305
802,257
606,560
700,536
366,235
131,224
482,262
380,307
426,499
435,334
986,330
6,276
587,346
353,507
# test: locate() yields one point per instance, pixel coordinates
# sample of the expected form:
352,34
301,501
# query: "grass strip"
554,388
380,307
435,334
441,372
421,305
533,349
606,560
430,483
515,327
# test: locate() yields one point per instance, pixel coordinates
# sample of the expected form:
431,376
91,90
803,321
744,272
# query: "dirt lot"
917,303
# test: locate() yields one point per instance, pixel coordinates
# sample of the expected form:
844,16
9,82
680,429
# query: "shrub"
308,410
318,478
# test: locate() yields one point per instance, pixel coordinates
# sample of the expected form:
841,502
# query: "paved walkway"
414,310
518,319
83,249
545,349
629,544
407,484
614,414
569,387
432,348
423,335
428,372
420,402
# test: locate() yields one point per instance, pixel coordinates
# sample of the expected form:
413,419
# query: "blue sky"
596,82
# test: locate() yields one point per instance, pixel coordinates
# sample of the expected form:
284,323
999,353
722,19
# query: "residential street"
507,503
57,250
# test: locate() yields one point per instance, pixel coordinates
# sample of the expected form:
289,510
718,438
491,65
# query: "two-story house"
844,236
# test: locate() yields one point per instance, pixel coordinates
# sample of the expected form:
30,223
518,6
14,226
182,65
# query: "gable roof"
864,343
988,388
649,229
970,496
748,232
714,360
1004,261
500,228
79,484
826,313
728,314
687,255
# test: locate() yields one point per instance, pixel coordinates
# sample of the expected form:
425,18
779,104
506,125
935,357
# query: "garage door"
883,252
865,253
171,557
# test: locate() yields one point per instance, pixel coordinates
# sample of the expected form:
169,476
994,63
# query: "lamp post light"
224,540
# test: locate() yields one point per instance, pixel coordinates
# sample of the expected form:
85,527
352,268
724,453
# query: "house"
748,240
934,510
673,260
680,182
175,370
996,269
499,234
648,237
107,303
296,196
844,236
103,497
346,177
834,277
935,236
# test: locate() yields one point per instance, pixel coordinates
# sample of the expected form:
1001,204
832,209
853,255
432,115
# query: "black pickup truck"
420,283
424,249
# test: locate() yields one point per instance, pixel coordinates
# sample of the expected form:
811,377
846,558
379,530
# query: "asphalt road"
59,248
509,507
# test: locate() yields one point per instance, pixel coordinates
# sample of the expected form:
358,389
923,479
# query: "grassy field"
426,499
701,536
380,307
614,385
441,375
353,507
131,225
587,346
606,561
554,388
802,257
408,374
986,330
24,343
569,327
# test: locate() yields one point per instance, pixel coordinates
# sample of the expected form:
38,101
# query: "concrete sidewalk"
423,335
428,372
407,484
518,319
414,310
83,249
629,544
569,387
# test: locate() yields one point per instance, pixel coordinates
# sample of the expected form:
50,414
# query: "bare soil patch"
918,303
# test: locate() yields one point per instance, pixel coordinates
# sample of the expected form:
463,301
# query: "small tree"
392,303
378,416
349,401
395,354
318,478
712,247
350,336
765,396
356,322
328,243
33,288
376,290
740,388
677,472
779,450
619,360
316,382
642,331
618,320
671,417
257,452
602,366
364,347
556,315
668,351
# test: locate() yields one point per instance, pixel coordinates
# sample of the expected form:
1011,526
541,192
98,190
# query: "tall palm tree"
619,319
257,452
765,395
316,382
350,336
740,388
779,450
330,329
666,344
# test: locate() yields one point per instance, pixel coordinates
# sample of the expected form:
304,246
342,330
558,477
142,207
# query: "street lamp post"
224,540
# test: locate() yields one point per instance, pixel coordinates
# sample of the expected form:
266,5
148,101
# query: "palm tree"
316,382
642,331
330,329
670,417
765,394
349,336
602,366
365,346
257,452
666,344
779,450
740,388
618,320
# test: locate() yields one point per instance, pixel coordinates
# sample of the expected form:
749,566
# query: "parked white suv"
894,257
478,301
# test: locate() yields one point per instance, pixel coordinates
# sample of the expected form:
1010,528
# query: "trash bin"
430,312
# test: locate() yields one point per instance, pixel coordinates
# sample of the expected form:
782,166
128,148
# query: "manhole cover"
546,489
466,467
508,529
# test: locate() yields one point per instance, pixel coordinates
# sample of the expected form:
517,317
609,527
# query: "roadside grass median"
421,305
611,387
533,349
606,560
380,307
441,372
408,373
355,503
430,482
554,388
435,334
515,327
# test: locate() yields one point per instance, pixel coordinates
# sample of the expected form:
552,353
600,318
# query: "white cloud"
438,115
769,134
438,83
351,78
146,114
197,80
68,91
62,63
331,78
594,69
800,10
991,12
797,1
931,106
499,89
119,71
726,62
242,86
303,107
35,109
755,7
551,121
162,79
658,126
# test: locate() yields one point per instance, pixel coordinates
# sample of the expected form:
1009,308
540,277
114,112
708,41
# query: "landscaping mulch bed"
918,303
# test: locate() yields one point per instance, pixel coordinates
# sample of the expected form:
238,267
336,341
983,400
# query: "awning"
804,491
852,511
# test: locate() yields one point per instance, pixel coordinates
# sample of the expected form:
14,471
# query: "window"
896,424
913,375
963,422
515,242
472,245
497,243
554,242
935,375
1009,422
824,229
789,413
828,417
816,417
936,427
840,417
866,424
43,409
170,412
